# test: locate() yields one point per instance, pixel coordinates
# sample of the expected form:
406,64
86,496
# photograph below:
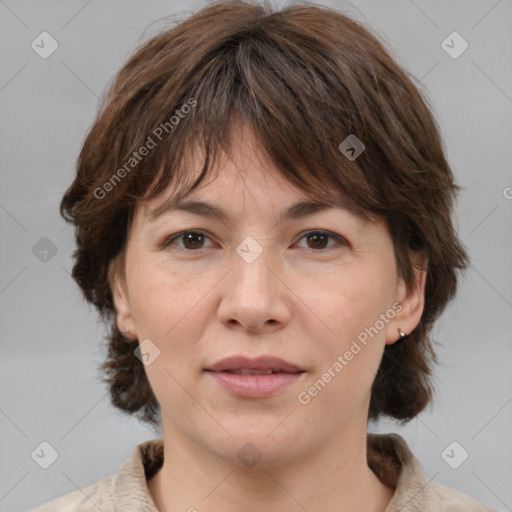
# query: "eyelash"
339,239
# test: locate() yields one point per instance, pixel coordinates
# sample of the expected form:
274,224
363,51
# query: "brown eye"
318,240
193,240
190,240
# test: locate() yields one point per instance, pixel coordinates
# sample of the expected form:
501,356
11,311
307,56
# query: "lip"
260,363
254,386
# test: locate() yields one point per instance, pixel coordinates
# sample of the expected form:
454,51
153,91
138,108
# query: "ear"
117,281
411,301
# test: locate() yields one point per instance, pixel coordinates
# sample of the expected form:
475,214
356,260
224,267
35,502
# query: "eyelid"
340,240
168,240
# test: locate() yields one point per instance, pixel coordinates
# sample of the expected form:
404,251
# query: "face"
319,291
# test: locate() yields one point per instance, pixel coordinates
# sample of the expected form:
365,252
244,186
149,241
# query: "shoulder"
87,499
392,461
126,490
441,497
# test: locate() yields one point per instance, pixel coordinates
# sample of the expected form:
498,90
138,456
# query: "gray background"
51,341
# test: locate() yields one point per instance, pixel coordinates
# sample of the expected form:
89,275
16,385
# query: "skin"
302,300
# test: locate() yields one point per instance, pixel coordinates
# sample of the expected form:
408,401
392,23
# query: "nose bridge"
252,262
254,296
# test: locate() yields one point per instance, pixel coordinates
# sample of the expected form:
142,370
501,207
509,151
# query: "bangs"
284,94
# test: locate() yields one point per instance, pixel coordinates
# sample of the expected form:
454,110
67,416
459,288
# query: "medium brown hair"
305,78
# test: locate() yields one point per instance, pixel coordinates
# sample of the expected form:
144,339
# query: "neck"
334,476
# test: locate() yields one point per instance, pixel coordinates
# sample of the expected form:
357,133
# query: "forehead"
229,192
241,175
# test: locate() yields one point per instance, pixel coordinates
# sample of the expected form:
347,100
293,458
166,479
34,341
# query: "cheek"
166,309
349,302
172,309
160,297
349,336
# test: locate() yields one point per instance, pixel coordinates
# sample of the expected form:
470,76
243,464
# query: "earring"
124,332
401,333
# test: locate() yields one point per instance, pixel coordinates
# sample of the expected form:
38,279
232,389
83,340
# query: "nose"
255,298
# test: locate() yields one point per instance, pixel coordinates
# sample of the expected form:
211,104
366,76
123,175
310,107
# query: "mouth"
265,365
254,378
247,371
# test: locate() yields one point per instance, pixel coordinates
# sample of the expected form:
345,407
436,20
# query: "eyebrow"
297,210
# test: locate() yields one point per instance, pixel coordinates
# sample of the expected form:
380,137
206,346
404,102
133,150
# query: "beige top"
388,456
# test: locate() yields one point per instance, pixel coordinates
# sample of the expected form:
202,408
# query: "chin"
252,446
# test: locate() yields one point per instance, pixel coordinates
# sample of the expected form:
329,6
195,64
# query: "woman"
263,220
